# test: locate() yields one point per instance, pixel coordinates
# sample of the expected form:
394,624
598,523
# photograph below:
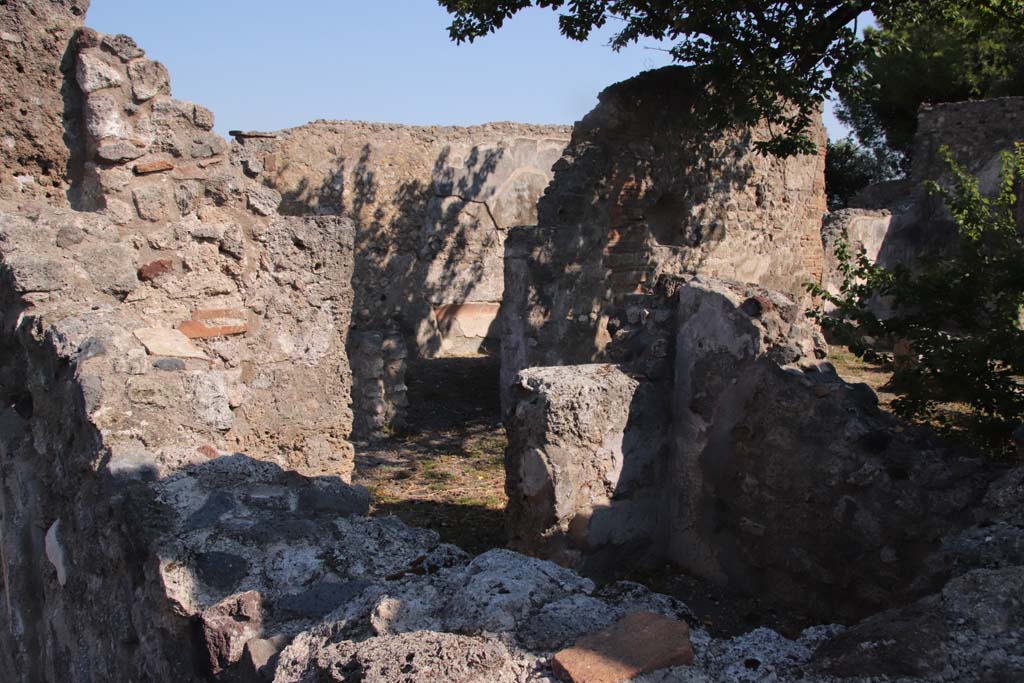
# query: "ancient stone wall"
899,221
38,96
176,322
647,190
976,133
180,239
432,207
764,471
139,350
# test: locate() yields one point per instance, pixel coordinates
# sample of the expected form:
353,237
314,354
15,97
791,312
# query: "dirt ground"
445,470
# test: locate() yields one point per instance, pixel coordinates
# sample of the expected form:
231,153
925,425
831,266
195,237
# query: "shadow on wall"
427,249
73,120
420,255
647,187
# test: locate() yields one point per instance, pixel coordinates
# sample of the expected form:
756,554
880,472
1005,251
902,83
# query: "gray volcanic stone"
123,46
221,571
420,656
263,200
319,600
971,631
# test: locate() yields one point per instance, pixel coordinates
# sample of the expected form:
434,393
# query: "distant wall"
976,133
432,207
899,221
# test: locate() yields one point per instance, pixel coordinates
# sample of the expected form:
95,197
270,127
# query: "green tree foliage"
849,168
950,55
757,55
961,317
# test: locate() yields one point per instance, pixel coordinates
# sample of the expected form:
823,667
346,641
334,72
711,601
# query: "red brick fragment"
155,269
146,167
215,322
638,643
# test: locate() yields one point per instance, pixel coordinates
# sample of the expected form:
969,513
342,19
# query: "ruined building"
192,330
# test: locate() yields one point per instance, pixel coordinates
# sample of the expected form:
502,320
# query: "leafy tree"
849,168
764,59
912,58
960,317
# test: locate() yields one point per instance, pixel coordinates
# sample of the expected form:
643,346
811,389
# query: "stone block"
639,643
110,267
582,463
118,151
203,117
262,200
149,79
228,626
210,399
103,118
152,202
123,46
93,72
32,273
160,341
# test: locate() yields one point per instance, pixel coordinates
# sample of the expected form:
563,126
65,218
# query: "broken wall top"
647,195
674,193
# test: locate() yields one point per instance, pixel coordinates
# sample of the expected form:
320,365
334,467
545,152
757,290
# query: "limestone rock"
118,151
419,656
496,591
210,399
94,73
572,432
103,118
969,632
263,200
111,268
151,201
36,274
149,79
123,46
167,342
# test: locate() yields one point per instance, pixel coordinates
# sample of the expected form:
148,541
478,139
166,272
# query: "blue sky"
269,65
